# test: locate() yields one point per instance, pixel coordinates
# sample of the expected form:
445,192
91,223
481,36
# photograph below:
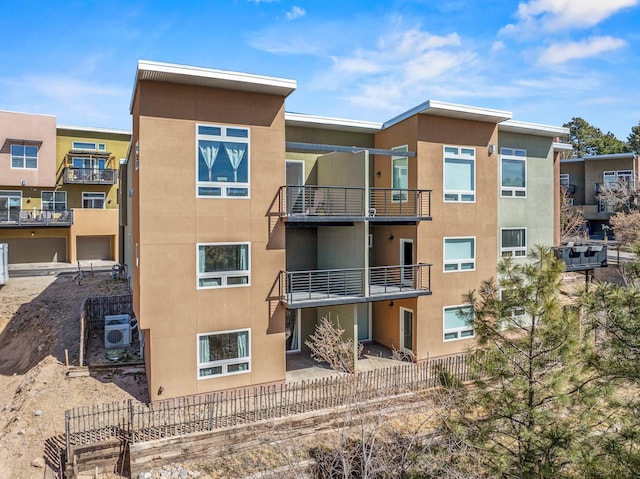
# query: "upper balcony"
339,204
580,257
33,218
92,176
305,289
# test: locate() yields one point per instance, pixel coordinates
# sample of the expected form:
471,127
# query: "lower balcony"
304,289
33,217
580,257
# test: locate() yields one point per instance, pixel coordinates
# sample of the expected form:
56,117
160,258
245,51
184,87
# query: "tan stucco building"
246,225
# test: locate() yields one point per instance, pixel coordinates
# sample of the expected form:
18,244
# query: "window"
459,254
221,354
54,200
514,242
459,174
93,200
223,265
24,156
400,175
564,179
222,161
85,145
457,323
513,172
518,316
10,204
609,178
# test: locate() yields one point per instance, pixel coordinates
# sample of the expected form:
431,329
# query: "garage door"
93,247
36,250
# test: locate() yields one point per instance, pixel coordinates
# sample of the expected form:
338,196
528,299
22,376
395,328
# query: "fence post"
131,429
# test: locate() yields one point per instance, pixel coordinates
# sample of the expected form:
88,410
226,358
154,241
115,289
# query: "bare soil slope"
39,319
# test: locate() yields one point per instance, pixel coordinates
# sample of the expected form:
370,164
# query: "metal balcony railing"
394,202
340,286
34,217
314,202
90,176
579,257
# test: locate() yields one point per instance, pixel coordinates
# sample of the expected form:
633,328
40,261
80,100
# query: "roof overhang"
452,110
6,147
550,131
199,76
328,123
70,130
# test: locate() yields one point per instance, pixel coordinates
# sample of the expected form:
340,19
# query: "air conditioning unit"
117,331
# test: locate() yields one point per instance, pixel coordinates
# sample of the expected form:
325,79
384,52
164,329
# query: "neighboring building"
276,220
583,179
58,189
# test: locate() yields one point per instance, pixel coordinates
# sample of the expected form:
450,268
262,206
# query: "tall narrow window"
221,354
223,265
400,174
459,174
513,172
222,161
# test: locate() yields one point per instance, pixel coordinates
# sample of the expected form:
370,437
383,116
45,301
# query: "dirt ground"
39,319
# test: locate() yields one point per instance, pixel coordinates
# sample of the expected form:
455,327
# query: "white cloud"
559,53
557,15
497,46
296,12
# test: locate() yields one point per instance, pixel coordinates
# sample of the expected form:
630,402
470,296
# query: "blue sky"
544,60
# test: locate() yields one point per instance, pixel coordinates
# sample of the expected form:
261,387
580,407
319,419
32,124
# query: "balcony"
336,203
33,218
304,289
92,176
580,257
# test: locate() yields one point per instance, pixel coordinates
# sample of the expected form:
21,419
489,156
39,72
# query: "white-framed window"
222,161
625,177
400,174
513,172
459,254
24,156
457,323
518,318
54,200
10,205
459,174
93,200
564,179
513,242
88,145
223,265
224,353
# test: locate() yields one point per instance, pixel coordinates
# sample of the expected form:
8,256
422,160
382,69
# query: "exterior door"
292,330
406,330
406,260
10,202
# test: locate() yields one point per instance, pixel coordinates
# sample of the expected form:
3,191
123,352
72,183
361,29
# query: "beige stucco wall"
171,221
24,126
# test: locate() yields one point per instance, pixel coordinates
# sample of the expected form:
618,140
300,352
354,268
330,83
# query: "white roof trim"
538,129
90,129
452,110
558,146
342,124
190,75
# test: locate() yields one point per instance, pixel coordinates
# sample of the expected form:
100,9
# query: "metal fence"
136,422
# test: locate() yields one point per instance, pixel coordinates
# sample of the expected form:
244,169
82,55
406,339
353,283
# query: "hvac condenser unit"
117,331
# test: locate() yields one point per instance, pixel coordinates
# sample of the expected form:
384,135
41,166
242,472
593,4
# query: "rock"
194,474
37,462
38,412
22,431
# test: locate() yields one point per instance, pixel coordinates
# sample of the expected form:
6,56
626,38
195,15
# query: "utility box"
4,263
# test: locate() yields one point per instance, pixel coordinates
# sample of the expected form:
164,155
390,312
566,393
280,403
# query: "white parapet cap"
452,110
537,129
230,80
90,129
329,123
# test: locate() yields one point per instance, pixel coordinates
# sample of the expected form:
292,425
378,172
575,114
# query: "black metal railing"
582,256
34,217
312,202
341,284
90,176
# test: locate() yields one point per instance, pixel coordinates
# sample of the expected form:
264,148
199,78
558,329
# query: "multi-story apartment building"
58,189
277,220
583,180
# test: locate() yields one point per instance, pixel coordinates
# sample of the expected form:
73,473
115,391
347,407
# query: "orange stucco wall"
171,221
